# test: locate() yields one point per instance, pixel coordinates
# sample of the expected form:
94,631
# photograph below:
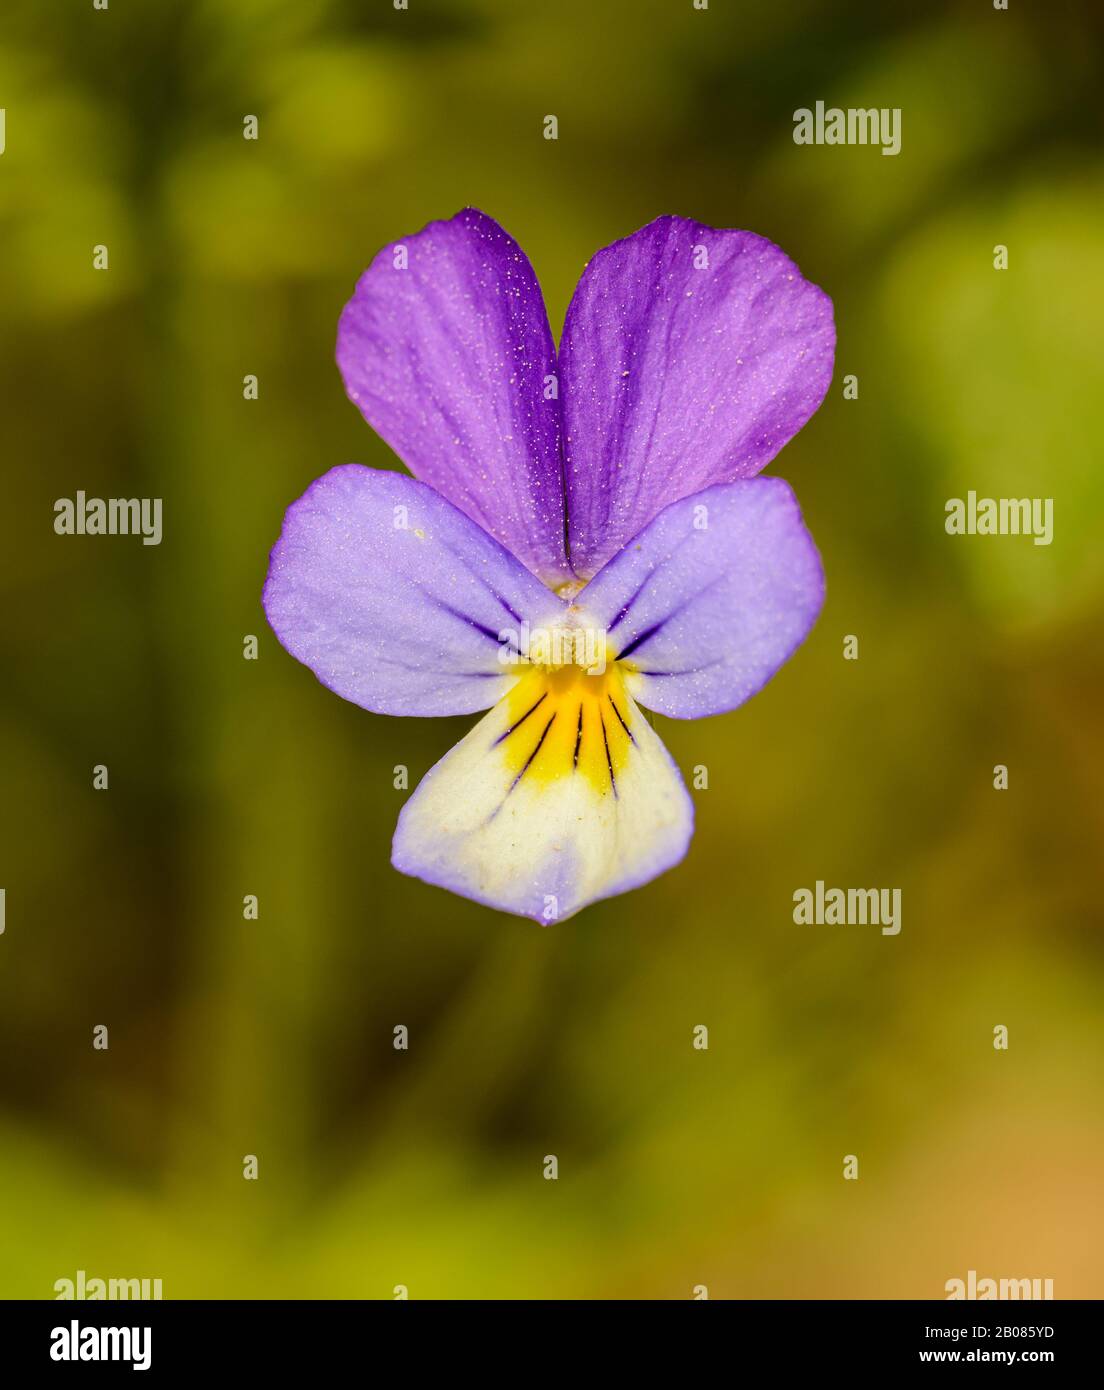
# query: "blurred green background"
229,1037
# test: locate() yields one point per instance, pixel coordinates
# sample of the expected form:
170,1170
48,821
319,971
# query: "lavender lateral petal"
445,349
690,356
711,598
394,598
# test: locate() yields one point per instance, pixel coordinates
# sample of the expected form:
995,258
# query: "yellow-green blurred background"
274,1038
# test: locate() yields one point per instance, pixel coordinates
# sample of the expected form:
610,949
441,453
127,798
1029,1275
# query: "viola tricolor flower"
584,535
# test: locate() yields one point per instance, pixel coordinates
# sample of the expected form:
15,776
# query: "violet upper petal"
395,599
711,598
445,349
689,357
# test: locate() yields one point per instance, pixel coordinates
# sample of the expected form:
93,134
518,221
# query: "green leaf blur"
229,1037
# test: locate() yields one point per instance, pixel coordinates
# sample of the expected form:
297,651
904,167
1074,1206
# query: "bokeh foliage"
274,1038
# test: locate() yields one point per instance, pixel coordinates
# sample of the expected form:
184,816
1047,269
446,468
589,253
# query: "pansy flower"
584,537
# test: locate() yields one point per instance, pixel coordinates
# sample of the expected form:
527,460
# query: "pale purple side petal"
394,598
711,598
689,357
445,349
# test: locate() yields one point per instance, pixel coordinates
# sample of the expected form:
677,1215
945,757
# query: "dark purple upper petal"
447,360
689,357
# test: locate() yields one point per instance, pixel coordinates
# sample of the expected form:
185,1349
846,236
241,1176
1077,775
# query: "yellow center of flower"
568,715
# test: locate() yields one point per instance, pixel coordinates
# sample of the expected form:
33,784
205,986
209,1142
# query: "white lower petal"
561,795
